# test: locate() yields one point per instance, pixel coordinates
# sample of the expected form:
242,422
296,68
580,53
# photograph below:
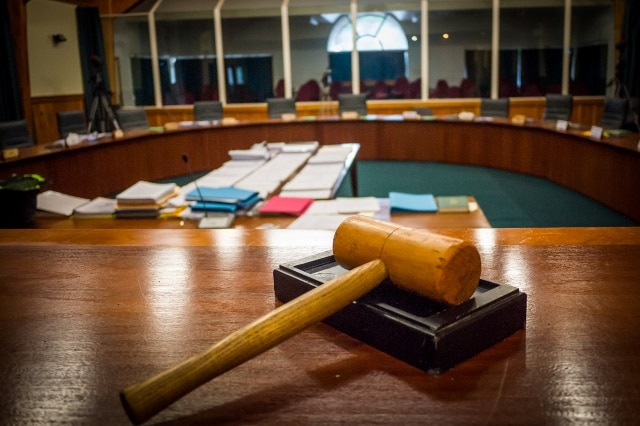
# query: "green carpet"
509,200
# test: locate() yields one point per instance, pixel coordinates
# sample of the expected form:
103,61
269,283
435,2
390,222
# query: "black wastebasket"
18,201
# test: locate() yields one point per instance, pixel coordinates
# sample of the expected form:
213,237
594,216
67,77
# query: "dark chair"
423,111
352,102
278,106
71,122
380,90
207,110
309,91
15,134
614,113
132,119
400,88
557,107
494,107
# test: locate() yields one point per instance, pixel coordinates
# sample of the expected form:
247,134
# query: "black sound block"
426,334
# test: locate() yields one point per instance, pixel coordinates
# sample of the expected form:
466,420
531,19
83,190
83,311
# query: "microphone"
217,220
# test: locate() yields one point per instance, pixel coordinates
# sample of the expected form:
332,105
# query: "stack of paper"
256,152
328,214
96,208
224,199
56,202
144,199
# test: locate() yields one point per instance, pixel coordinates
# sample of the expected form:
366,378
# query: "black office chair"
614,113
278,106
15,134
207,110
71,122
424,111
352,102
132,119
557,107
494,107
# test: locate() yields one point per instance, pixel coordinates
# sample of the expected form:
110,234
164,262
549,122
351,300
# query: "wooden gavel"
439,267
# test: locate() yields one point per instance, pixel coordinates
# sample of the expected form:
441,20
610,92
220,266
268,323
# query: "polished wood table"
85,313
606,170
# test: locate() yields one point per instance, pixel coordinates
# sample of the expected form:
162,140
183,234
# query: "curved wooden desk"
607,171
86,313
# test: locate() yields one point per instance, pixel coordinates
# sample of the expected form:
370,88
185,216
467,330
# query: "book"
293,206
226,207
401,202
149,193
226,194
453,204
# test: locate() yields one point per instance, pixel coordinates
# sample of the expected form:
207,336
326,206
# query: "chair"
15,134
494,107
71,122
424,111
400,88
557,107
441,90
380,90
132,119
309,91
207,110
278,106
352,102
614,113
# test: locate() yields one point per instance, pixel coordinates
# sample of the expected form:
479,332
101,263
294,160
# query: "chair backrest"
15,134
494,107
352,102
423,111
557,107
132,118
71,122
614,113
207,110
278,106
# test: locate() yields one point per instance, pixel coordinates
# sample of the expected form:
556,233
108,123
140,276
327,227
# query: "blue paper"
403,202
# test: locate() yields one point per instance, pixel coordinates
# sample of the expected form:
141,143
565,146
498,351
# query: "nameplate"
562,125
10,153
288,116
596,132
229,120
350,115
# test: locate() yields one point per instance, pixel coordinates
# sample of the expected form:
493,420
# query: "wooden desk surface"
85,313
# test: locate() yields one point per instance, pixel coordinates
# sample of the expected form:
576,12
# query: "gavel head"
436,266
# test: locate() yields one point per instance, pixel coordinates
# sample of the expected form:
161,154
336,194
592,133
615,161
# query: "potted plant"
18,198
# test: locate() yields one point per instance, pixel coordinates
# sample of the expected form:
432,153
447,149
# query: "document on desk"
315,176
56,202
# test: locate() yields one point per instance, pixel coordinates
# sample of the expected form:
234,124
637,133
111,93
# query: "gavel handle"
143,400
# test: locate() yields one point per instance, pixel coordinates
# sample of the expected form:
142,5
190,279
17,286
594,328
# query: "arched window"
381,42
374,32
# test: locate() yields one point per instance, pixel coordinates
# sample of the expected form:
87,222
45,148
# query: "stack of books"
144,199
222,199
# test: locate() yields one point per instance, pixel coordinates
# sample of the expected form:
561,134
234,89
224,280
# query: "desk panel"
607,171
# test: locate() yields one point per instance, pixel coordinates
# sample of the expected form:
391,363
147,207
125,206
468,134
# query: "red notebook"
293,206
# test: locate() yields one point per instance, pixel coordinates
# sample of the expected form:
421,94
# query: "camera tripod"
101,109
